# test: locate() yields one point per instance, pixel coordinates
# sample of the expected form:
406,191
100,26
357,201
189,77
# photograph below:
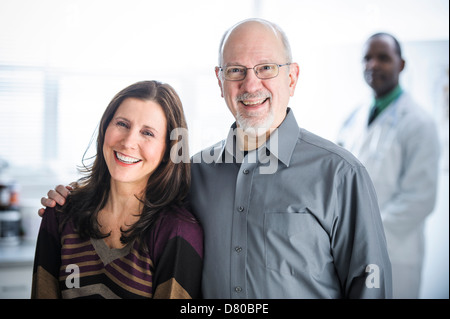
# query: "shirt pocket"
295,243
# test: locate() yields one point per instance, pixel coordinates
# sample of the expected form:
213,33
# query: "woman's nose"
130,139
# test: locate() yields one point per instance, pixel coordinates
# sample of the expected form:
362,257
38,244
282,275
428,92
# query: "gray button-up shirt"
296,218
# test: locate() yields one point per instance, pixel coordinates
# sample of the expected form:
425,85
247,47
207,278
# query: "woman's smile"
125,159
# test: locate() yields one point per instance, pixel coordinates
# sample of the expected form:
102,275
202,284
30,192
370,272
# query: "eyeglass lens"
262,71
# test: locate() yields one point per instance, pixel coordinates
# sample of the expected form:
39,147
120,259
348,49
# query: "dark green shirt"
380,104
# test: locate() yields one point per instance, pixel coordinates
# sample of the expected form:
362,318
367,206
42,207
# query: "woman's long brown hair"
167,187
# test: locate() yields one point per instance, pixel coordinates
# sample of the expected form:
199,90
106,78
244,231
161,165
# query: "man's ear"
294,71
219,80
402,65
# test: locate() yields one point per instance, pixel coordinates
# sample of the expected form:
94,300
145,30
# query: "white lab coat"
400,150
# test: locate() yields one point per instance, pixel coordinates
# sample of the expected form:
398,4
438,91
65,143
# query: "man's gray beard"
255,127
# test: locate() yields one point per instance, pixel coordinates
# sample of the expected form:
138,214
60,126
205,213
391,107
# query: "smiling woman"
126,217
135,141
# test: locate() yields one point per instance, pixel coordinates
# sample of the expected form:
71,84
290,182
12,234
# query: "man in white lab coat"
398,143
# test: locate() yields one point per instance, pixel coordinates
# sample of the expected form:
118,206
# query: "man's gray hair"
275,28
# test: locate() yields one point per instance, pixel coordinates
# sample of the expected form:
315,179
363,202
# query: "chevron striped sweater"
67,266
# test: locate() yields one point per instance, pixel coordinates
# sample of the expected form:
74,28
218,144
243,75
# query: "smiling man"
309,229
255,103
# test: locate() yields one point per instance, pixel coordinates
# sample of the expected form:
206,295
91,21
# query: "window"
22,122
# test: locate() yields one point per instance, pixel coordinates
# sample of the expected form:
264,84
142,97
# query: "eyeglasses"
263,71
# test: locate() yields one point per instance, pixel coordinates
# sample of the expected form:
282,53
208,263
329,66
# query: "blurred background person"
398,143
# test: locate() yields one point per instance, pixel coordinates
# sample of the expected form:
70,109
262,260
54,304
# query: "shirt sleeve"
47,260
358,240
179,259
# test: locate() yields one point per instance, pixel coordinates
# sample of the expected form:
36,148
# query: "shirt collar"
281,143
382,102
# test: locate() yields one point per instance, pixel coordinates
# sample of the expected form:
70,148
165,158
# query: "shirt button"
238,289
245,171
241,209
238,249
